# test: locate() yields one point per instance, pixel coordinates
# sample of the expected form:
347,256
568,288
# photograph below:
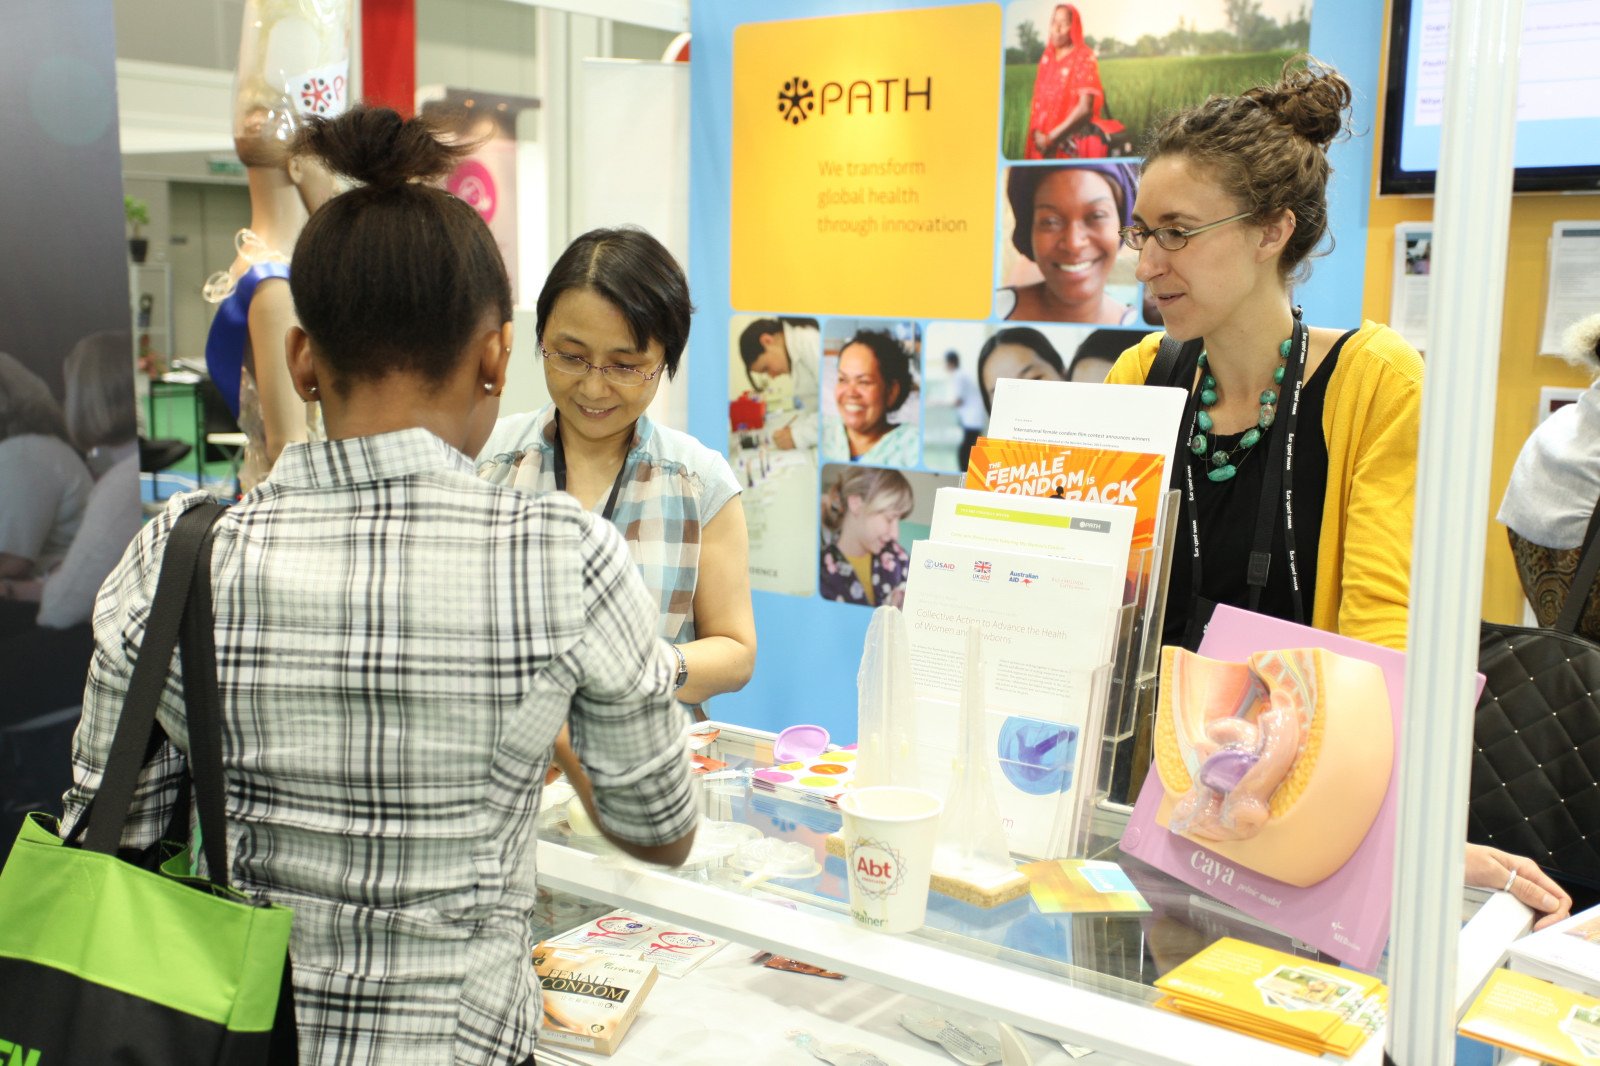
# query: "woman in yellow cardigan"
1297,460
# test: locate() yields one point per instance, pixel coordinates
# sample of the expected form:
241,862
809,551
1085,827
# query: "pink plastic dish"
799,743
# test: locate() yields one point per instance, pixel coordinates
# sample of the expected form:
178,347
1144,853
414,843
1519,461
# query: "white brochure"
1128,418
1572,289
1046,622
1413,278
1037,525
1047,625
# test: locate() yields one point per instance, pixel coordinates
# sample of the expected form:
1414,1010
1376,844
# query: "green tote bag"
103,961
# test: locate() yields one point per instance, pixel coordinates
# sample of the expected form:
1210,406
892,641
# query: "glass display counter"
1085,980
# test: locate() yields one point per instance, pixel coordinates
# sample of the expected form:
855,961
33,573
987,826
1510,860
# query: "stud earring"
312,390
488,387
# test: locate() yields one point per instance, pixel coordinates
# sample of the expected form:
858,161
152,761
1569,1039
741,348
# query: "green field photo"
1139,91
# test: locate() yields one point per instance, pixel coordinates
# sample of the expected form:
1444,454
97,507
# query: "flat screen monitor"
1558,98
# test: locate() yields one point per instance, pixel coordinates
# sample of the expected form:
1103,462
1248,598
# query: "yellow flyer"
1536,1018
1297,1002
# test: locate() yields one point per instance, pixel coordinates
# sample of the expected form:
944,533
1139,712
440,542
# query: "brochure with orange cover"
1070,472
1311,1006
1536,1018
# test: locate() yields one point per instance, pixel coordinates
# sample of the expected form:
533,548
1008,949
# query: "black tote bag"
1536,737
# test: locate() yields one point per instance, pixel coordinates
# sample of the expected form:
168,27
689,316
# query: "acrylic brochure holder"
1064,723
1131,707
1042,769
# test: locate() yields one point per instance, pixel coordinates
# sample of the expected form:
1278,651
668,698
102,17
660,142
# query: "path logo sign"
794,100
836,207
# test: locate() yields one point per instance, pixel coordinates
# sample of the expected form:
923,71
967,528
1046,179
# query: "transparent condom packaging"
972,835
886,728
962,1037
838,1054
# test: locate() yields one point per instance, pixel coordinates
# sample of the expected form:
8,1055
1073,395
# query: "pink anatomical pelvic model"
1279,764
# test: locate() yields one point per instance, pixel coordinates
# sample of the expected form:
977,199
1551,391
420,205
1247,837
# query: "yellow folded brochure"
1536,1018
1296,1002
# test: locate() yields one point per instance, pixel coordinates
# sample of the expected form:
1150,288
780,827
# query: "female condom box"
1273,788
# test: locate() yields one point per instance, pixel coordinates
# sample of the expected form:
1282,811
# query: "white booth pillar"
1472,212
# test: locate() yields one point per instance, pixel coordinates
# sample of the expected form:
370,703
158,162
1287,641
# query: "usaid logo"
934,564
797,101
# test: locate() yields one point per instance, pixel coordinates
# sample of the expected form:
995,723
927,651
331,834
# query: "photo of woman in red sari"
1066,120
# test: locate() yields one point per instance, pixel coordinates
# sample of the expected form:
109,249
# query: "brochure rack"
1044,773
1130,713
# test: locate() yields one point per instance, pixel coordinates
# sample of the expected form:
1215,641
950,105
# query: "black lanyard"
561,473
1279,477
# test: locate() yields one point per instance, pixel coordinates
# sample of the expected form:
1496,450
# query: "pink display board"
1346,914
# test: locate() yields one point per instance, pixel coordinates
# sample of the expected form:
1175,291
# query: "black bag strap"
1168,352
203,711
1173,359
109,813
1583,577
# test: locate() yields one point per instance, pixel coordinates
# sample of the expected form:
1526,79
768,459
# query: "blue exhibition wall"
809,649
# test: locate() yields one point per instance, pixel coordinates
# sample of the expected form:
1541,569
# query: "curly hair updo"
1268,148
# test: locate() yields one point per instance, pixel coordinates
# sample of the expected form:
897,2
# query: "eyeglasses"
1170,238
625,376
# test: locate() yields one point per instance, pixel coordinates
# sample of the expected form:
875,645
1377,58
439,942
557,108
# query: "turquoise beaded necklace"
1224,463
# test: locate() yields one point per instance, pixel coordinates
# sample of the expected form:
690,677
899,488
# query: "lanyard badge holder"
1277,484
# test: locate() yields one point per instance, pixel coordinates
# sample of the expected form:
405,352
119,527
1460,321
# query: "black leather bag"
1536,738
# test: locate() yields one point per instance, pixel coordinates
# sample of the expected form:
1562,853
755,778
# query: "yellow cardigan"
1369,420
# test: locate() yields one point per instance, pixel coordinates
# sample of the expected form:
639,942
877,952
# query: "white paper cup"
889,836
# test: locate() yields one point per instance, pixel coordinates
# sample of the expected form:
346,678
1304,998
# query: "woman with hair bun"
399,643
1232,203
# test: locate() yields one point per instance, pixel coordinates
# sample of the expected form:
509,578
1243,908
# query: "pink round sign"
472,183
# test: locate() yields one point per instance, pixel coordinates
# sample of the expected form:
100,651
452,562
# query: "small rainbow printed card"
1082,886
824,778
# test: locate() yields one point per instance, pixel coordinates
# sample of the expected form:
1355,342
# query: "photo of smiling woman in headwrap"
1066,221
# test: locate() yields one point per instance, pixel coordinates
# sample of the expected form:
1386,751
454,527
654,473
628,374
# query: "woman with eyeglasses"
1232,202
1284,420
612,320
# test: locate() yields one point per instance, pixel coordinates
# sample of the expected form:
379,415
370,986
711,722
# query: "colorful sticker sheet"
826,777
